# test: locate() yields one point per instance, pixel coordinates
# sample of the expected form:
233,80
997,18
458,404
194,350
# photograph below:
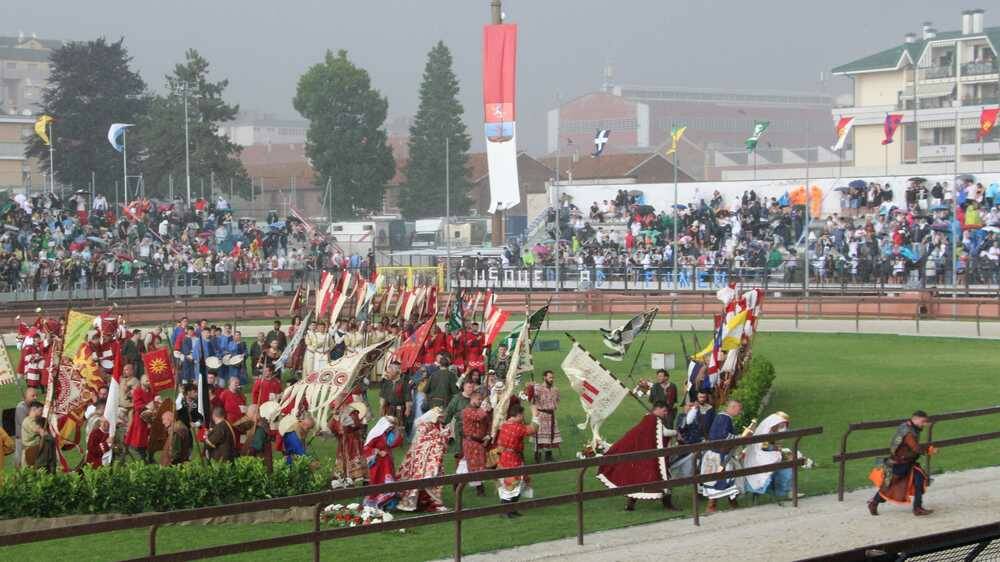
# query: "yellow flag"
42,128
675,135
77,326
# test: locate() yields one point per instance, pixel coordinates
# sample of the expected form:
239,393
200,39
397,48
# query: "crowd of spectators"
48,243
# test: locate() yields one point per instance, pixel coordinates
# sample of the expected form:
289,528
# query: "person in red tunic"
474,343
348,425
137,437
266,387
97,444
381,440
649,433
233,401
434,344
456,349
476,420
510,441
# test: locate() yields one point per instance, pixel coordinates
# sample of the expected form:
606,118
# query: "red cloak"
647,434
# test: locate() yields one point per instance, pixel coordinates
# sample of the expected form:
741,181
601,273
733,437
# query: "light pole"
187,145
555,188
447,210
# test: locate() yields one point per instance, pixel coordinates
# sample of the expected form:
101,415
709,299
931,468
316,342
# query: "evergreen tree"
438,118
211,154
345,141
90,87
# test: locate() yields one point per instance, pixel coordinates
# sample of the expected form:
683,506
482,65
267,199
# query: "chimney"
977,20
927,27
966,22
931,33
910,38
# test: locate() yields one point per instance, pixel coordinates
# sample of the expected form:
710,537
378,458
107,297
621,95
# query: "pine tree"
90,87
162,133
346,141
438,118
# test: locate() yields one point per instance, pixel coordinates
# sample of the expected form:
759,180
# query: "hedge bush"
135,487
751,389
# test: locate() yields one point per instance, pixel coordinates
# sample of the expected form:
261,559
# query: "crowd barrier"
846,455
154,521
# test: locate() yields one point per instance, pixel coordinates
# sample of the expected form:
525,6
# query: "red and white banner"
499,87
323,293
600,392
494,324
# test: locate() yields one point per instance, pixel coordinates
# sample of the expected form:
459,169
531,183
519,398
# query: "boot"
873,507
509,514
920,511
538,456
668,502
711,506
480,491
515,513
548,456
630,504
733,504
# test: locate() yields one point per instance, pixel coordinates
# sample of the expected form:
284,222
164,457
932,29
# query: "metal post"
676,215
808,219
187,147
447,210
842,469
125,164
52,169
498,237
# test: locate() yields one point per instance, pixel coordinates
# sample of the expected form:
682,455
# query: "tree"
438,118
162,133
90,87
345,140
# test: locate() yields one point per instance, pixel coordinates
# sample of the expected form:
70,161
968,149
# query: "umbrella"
276,225
991,229
918,180
97,240
644,209
940,207
965,177
858,184
679,206
941,227
842,189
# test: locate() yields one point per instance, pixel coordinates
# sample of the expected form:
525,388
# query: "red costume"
381,439
434,344
474,343
457,350
647,434
263,388
350,461
475,428
138,431
232,402
97,445
511,444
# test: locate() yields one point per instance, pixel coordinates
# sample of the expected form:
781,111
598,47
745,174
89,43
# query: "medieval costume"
234,403
474,342
475,429
649,433
425,459
221,442
900,477
718,460
544,398
779,482
97,446
295,360
379,443
265,389
510,442
137,436
453,412
191,359
348,426
177,447
317,352
666,393
392,393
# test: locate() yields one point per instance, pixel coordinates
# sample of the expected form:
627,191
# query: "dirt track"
821,525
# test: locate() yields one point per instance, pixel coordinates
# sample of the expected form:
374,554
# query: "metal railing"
934,72
978,68
458,515
846,455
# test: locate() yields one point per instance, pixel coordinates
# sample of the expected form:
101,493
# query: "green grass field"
822,380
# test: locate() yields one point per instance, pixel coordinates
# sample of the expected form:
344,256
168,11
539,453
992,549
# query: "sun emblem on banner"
157,366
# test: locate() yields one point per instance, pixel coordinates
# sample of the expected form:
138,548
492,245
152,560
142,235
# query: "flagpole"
52,176
676,213
808,217
645,406
125,165
447,209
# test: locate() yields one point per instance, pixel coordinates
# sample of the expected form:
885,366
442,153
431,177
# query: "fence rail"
846,455
317,536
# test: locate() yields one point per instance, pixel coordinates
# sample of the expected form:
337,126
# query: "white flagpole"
125,165
52,174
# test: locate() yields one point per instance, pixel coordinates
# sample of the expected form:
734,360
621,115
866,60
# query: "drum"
233,360
243,425
213,362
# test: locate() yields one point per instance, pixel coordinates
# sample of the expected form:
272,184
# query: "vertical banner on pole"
499,74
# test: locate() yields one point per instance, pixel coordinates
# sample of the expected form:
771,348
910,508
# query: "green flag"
455,317
758,130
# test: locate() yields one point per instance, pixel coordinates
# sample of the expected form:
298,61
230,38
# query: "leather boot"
733,504
630,504
920,511
668,502
480,490
711,506
873,507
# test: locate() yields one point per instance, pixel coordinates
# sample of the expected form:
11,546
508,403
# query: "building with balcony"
24,72
18,173
940,82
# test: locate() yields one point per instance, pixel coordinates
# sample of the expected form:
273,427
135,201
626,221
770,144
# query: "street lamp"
187,144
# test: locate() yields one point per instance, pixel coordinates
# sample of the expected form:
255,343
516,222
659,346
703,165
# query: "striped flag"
599,390
842,129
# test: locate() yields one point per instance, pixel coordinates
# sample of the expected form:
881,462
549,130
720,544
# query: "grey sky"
262,47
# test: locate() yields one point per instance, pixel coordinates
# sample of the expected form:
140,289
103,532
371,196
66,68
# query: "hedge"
753,386
136,487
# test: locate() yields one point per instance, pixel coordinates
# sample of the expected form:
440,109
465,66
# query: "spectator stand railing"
457,515
846,455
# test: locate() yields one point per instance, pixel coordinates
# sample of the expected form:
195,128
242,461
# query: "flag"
455,315
77,326
363,310
728,335
42,129
159,369
324,293
676,132
511,378
987,119
489,301
115,134
499,111
758,131
494,323
114,397
409,350
600,141
293,343
842,129
76,382
6,369
340,297
537,318
599,390
892,121
619,339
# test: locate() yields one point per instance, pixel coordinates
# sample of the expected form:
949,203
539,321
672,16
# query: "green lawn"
822,379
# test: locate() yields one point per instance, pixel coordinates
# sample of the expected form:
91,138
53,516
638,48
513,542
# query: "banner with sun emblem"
159,369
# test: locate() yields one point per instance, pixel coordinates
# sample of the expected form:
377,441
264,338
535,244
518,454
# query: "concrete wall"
874,154
877,88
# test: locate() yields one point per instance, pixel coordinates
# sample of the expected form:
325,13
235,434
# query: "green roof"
889,58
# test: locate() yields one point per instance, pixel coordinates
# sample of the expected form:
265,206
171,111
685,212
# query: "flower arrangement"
353,515
591,450
341,482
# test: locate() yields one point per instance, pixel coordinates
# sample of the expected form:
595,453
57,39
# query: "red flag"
987,119
409,350
499,68
159,369
892,121
494,323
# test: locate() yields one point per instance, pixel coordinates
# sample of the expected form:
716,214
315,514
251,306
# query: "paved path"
821,525
927,328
